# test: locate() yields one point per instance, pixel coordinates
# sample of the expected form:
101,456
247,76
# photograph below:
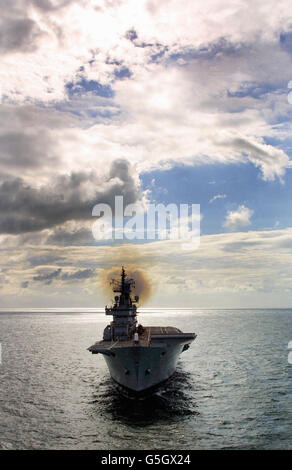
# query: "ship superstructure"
138,357
124,310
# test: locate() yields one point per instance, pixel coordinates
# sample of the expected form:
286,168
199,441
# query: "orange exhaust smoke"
142,282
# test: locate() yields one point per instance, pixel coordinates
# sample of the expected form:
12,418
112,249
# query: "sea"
232,389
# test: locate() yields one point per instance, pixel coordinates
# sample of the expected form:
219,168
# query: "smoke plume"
142,281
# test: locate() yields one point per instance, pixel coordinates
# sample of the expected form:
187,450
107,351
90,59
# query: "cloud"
217,196
19,34
25,208
80,274
261,277
44,259
19,31
24,284
49,5
47,277
148,82
20,28
82,85
271,160
238,218
26,150
157,90
29,140
69,236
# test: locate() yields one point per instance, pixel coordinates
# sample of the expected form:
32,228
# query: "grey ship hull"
140,366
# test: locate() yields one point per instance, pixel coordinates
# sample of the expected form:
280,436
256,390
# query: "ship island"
138,357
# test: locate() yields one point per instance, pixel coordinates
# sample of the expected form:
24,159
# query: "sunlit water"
232,388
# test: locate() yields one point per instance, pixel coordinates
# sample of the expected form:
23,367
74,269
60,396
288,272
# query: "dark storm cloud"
24,208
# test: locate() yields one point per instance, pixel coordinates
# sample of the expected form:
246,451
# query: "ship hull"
140,368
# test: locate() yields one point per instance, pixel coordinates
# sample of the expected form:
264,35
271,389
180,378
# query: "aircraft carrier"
138,357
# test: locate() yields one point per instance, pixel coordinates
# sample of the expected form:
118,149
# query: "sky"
160,102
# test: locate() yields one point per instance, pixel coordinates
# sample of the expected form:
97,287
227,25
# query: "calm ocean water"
232,388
